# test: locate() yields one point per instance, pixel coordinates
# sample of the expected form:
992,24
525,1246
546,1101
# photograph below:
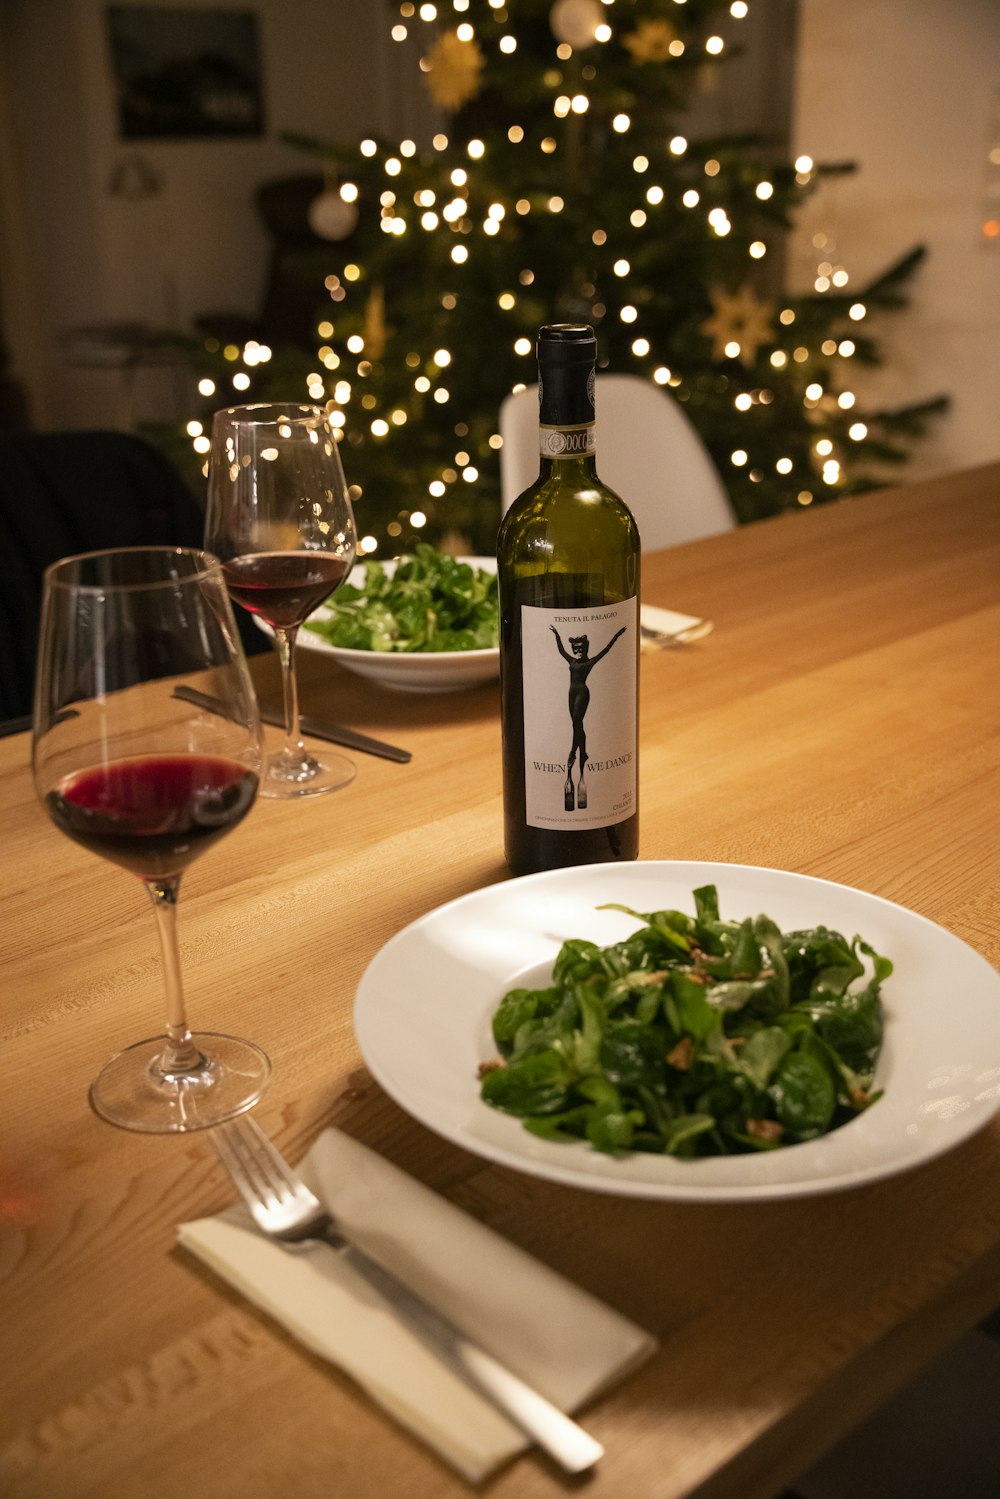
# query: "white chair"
647,450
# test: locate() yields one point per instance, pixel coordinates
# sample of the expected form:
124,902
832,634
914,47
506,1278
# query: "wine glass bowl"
279,516
141,777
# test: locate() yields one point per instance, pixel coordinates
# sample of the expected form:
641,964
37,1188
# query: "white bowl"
407,671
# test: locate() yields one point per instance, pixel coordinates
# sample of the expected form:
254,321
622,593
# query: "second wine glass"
280,519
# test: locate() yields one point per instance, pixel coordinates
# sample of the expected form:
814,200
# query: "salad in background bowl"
426,622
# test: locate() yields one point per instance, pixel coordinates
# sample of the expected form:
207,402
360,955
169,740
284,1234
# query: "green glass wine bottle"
568,566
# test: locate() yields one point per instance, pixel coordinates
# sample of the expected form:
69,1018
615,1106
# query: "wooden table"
842,720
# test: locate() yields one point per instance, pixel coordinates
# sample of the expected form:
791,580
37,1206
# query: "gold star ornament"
650,41
452,70
739,318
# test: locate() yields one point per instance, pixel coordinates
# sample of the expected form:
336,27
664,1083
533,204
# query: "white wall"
74,254
910,90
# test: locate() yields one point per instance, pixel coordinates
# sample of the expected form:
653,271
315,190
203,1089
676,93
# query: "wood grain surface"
842,720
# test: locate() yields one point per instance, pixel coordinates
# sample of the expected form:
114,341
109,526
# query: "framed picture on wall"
185,73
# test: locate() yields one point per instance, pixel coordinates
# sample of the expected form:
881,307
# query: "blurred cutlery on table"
319,728
661,628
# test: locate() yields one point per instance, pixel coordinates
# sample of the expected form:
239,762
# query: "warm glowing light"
459,177
678,145
691,198
459,254
368,148
442,357
814,391
441,395
380,428
743,402
637,218
206,387
422,384
858,311
352,272
202,444
765,190
661,375
784,465
241,381
621,267
714,45
857,431
779,359
621,123
465,32
515,135
654,195
846,400
470,474
628,313
846,347
758,249
418,519
508,44
640,347
355,343
476,149
367,544
739,457
732,349
824,446
522,346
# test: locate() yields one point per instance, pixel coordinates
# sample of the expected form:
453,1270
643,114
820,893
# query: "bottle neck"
580,469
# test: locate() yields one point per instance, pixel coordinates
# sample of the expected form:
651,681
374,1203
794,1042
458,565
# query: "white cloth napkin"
555,1335
684,627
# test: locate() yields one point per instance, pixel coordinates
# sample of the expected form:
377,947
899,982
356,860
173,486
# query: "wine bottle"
568,568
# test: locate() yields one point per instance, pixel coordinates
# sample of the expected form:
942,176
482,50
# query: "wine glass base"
133,1092
293,774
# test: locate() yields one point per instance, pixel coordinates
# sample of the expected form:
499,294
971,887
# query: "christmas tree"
562,187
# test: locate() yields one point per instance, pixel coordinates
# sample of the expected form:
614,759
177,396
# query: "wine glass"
130,769
279,516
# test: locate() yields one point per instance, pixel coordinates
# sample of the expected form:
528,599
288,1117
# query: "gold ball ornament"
742,318
651,41
330,217
575,22
452,70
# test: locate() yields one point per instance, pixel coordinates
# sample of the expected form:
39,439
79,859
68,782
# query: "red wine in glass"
137,774
279,516
284,587
153,814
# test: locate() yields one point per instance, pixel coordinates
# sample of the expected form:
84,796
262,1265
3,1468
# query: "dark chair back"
66,492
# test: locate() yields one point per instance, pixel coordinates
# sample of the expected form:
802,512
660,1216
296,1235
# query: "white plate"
406,671
423,1010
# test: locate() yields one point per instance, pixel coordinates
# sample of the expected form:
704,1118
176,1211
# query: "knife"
336,733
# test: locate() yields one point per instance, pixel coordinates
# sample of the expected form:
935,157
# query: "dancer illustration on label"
580,666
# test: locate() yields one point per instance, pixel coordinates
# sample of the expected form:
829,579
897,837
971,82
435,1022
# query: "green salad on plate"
425,602
694,1036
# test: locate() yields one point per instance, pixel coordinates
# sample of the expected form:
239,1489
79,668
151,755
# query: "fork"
284,1209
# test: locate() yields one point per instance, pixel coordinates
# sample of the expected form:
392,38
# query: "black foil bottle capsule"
568,564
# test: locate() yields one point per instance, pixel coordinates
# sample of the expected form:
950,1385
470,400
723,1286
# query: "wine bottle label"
567,442
579,690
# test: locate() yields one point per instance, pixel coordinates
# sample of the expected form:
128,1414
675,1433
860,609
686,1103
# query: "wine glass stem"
289,686
180,1053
